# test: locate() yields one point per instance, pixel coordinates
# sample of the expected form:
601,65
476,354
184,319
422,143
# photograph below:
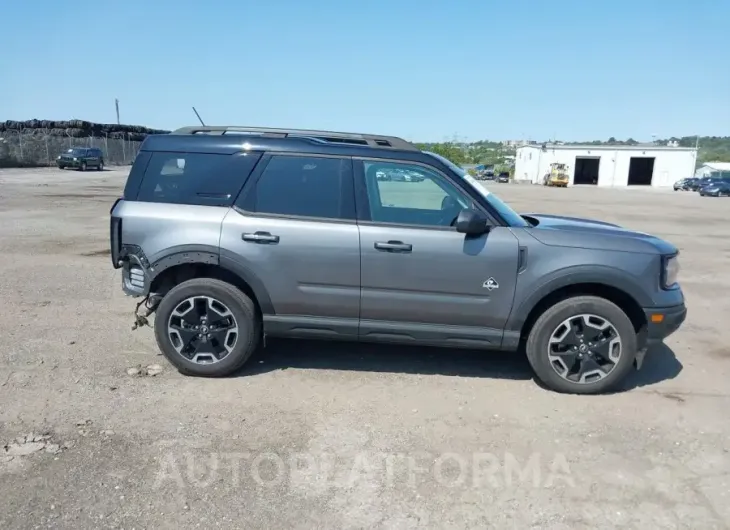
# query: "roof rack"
372,140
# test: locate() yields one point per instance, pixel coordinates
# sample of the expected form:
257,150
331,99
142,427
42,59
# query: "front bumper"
68,163
663,321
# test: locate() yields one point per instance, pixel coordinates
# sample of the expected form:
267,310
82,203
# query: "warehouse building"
607,165
711,169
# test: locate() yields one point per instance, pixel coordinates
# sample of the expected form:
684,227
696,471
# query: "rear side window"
305,186
195,178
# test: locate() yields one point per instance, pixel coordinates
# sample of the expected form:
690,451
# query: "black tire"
100,167
538,343
240,305
83,166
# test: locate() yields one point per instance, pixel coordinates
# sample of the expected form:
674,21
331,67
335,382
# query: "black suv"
81,158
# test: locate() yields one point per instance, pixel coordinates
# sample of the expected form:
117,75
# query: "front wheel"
207,327
100,167
83,166
582,345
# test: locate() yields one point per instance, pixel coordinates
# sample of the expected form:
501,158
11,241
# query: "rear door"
92,158
421,280
294,230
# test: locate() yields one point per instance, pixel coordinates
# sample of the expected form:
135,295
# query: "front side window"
303,186
511,217
412,194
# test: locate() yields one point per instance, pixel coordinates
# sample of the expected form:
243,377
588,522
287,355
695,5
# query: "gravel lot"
343,436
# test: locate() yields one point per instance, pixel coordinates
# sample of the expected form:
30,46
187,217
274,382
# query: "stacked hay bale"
32,143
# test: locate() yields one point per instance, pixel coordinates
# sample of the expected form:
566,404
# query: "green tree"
455,153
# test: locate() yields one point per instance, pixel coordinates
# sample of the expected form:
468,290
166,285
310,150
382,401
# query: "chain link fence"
38,147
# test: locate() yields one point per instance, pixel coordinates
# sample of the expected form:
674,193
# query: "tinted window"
195,178
307,187
412,194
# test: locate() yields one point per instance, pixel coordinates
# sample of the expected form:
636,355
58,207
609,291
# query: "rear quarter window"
194,178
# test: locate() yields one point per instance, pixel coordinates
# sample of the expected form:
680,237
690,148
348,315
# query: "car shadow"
281,354
660,363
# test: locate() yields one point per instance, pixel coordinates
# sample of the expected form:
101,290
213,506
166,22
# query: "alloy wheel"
584,348
202,329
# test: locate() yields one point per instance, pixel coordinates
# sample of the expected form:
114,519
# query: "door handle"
264,238
393,246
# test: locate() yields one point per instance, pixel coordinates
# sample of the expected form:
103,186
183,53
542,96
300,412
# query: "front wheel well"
622,299
177,274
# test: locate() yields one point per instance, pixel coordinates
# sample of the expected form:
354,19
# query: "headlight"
671,271
74,159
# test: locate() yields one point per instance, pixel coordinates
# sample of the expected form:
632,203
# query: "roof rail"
372,140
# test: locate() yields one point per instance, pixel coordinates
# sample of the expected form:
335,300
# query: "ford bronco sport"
231,234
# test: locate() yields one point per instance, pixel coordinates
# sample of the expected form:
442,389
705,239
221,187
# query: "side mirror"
471,223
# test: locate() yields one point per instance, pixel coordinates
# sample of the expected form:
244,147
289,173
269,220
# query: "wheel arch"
237,276
612,293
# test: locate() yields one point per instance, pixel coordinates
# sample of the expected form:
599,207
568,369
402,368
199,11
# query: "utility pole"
697,151
116,104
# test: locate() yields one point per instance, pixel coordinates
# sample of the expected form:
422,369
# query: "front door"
294,233
422,281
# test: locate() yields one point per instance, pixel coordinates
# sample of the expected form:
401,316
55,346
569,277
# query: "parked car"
397,175
81,158
708,183
700,183
684,184
297,239
717,189
485,173
414,176
503,177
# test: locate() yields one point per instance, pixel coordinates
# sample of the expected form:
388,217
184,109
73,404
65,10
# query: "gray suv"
231,234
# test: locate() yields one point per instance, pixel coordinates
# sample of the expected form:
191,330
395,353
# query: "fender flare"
208,255
581,274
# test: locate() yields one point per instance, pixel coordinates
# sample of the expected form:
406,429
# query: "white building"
705,170
608,165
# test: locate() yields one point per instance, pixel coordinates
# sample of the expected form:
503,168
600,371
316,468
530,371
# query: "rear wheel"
582,345
206,327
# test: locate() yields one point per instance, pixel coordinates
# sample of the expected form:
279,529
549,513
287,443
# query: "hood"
557,230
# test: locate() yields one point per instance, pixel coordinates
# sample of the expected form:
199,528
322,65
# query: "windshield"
76,151
508,214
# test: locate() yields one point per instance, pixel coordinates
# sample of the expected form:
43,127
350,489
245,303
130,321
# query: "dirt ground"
339,435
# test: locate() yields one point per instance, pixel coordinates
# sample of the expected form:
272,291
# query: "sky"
569,70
